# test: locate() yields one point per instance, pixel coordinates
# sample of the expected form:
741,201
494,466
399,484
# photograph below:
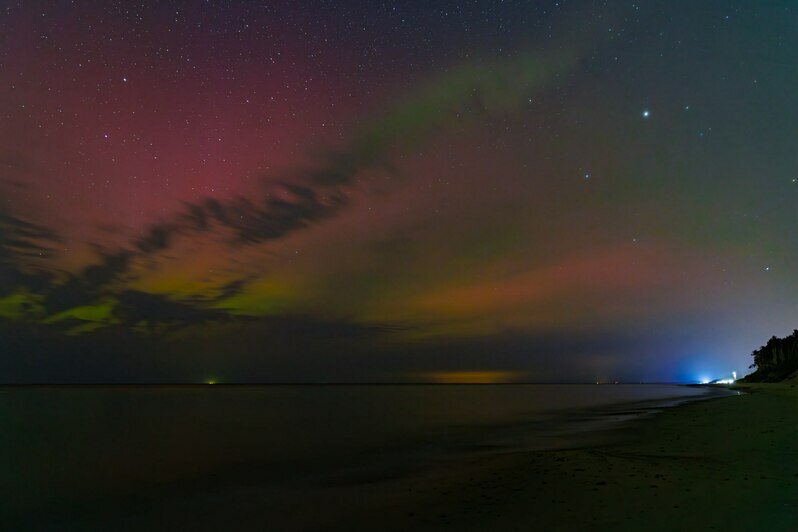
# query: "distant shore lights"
733,378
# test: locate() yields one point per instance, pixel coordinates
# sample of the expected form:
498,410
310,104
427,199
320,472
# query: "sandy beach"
729,463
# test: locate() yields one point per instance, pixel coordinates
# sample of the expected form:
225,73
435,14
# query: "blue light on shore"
727,380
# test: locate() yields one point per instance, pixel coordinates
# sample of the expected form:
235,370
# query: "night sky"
395,191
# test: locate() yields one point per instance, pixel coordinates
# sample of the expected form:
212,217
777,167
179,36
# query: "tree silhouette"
776,360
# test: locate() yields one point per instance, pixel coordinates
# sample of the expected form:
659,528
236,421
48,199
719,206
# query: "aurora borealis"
395,191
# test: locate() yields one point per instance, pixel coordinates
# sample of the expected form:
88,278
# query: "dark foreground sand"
723,464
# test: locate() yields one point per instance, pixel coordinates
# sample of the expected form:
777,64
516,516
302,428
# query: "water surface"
67,451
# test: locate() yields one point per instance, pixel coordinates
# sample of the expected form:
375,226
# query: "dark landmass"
776,361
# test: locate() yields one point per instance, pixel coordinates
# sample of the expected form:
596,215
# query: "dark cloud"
85,287
228,290
157,238
25,234
233,288
20,241
287,207
293,202
134,307
322,190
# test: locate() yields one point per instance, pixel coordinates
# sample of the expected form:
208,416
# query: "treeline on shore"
775,361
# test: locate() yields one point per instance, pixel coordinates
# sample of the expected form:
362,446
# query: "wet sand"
729,463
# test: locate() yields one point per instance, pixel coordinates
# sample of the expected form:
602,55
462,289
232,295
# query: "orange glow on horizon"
474,377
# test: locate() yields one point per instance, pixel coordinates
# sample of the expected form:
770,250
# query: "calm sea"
70,454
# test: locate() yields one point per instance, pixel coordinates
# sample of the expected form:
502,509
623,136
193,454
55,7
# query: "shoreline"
726,462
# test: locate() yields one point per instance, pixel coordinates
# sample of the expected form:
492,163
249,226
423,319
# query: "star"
646,113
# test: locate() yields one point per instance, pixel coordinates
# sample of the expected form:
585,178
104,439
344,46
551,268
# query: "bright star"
646,113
